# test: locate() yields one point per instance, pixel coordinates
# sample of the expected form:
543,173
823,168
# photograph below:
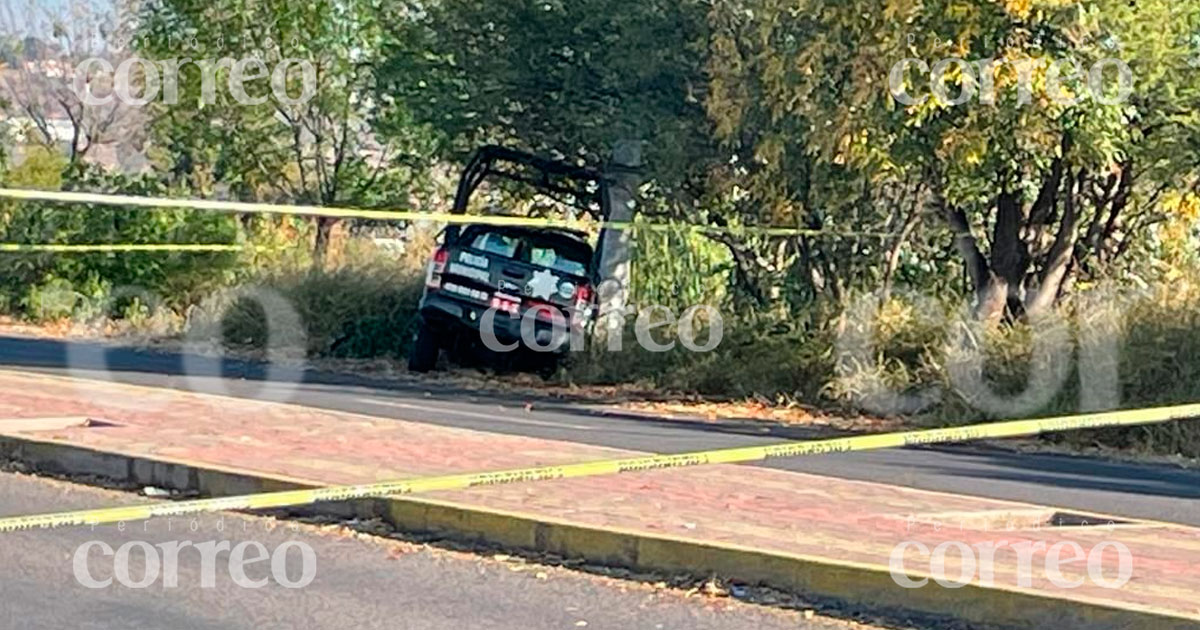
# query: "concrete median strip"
819,536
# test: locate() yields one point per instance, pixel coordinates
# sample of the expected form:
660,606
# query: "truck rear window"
558,258
557,253
496,243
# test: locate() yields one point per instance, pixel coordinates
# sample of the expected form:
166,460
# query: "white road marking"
475,414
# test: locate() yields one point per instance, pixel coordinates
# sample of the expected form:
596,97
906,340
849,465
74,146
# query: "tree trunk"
1010,256
998,279
992,298
1058,260
746,271
983,281
893,256
616,245
321,244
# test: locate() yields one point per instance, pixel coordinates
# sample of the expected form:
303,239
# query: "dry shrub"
365,308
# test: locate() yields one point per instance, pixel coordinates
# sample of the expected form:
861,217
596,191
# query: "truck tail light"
433,279
506,304
583,297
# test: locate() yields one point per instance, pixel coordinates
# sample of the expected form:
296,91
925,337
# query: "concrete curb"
865,586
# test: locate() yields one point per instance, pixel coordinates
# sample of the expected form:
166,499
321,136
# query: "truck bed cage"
576,186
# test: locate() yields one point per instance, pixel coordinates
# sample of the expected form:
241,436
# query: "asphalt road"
1157,492
356,581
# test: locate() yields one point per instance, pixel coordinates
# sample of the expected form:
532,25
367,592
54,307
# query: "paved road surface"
358,583
1079,483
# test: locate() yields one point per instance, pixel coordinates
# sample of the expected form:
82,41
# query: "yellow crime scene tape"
242,207
118,247
292,498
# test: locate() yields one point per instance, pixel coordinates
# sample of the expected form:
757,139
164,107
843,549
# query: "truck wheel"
424,354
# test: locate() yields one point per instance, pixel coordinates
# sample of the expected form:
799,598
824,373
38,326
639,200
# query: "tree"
572,79
45,50
304,137
564,77
1063,188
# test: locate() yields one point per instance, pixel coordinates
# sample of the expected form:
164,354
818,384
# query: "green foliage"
42,169
802,91
105,281
569,77
318,150
761,359
678,268
276,250
51,300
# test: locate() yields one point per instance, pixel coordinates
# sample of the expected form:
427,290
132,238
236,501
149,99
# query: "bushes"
1159,365
44,286
678,268
754,358
1136,349
349,312
361,309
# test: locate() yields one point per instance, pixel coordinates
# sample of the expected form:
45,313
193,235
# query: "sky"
28,17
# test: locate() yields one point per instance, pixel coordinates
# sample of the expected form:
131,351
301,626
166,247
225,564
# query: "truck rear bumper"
451,316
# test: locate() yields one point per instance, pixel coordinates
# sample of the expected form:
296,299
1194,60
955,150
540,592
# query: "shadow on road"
1066,471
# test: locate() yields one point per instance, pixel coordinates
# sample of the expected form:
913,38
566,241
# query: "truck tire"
424,354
